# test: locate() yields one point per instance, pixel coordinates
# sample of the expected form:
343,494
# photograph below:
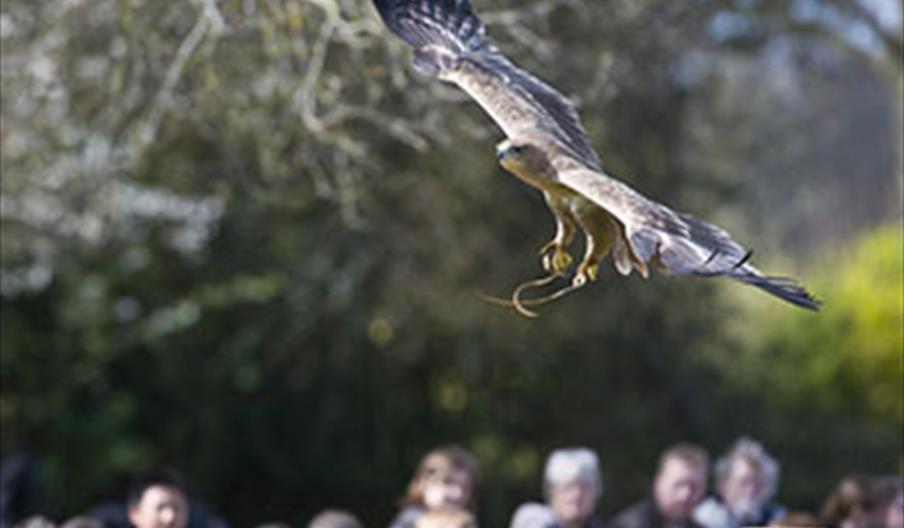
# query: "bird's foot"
553,255
516,302
522,305
587,272
555,258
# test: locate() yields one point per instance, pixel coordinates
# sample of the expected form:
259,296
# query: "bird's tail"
440,31
782,287
684,245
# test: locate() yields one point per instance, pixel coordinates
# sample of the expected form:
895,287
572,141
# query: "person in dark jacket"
21,488
853,504
159,500
678,486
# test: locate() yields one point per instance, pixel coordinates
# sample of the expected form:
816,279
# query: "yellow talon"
556,259
561,260
586,273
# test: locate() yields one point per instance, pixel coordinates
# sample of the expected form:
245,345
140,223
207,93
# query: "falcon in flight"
547,148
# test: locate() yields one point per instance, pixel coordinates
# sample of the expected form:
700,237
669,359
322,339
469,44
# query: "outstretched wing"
450,43
678,242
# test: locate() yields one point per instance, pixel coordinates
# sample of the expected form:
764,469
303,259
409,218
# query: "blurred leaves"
848,358
240,237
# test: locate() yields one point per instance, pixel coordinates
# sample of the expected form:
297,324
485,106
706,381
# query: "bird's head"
522,159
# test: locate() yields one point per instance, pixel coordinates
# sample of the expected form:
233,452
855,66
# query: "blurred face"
450,490
160,507
573,501
677,489
744,490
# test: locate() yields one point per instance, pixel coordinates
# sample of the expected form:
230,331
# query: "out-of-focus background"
242,238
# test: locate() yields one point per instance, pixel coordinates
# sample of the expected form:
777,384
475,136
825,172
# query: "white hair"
567,465
755,454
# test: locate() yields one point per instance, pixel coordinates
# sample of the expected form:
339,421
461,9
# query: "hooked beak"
502,149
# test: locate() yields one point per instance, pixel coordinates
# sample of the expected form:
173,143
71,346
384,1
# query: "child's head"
446,477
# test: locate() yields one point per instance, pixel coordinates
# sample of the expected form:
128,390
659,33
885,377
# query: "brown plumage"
548,149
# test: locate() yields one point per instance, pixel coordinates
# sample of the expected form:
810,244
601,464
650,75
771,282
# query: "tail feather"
782,287
685,245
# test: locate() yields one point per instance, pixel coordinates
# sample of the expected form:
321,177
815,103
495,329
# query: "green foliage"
847,358
242,239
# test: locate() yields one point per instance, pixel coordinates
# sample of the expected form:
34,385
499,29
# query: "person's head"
159,500
446,517
851,504
335,519
746,478
680,482
572,484
446,477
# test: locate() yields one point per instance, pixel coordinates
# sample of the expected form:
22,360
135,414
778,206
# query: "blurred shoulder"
712,513
407,518
641,514
533,515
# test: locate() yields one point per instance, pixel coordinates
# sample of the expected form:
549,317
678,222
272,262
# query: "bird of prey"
547,148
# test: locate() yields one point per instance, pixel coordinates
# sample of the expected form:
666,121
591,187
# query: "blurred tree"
239,237
847,360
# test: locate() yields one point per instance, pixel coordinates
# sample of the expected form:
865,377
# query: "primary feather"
450,24
447,36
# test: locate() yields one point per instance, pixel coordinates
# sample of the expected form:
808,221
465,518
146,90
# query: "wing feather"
562,116
450,42
450,24
682,244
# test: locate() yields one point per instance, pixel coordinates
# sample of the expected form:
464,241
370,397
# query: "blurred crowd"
443,493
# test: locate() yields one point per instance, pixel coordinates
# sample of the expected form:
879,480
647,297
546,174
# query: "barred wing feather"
679,243
450,42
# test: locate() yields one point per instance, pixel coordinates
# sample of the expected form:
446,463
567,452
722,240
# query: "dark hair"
887,488
690,454
164,477
442,461
855,492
